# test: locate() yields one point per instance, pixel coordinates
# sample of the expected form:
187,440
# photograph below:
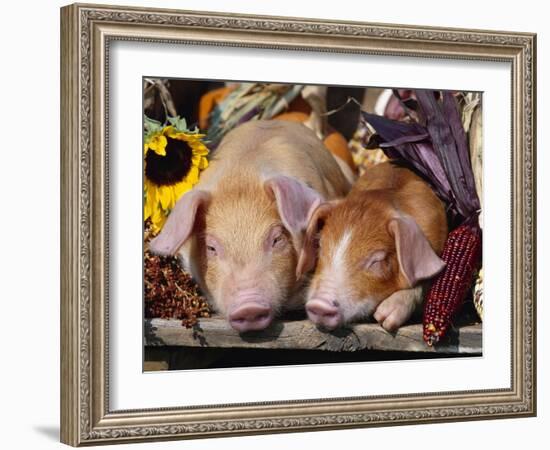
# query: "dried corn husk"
476,155
316,97
478,294
363,157
158,90
249,101
469,104
470,111
471,119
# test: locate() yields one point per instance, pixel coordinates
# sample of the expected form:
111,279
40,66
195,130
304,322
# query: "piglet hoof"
251,317
324,314
392,313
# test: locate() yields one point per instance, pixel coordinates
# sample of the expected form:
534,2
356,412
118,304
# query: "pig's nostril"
250,316
324,314
259,315
321,308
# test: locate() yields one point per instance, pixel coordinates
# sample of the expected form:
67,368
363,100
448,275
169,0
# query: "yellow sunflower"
173,162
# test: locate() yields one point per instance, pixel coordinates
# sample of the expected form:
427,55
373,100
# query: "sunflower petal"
203,164
181,188
193,175
179,136
150,199
199,149
169,131
157,220
196,160
165,197
146,211
158,144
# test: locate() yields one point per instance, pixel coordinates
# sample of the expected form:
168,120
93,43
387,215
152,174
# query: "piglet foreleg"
398,308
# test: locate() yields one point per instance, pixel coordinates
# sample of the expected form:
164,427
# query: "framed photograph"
278,225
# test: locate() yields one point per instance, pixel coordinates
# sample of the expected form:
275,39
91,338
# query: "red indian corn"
462,255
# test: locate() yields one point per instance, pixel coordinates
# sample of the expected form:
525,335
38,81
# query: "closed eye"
213,247
378,269
374,265
279,241
376,262
277,238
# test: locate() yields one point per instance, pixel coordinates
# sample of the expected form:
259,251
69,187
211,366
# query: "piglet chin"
251,316
324,314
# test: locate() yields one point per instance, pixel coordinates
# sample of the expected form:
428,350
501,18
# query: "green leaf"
151,125
179,123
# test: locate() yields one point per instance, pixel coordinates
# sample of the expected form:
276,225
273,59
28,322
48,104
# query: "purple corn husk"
438,151
451,112
410,143
398,106
449,141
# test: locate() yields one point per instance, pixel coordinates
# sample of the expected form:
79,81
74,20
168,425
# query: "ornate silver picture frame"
87,33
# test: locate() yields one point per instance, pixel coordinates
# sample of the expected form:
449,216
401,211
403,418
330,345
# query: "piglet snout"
324,314
251,316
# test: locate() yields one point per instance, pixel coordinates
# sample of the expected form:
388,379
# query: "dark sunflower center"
172,168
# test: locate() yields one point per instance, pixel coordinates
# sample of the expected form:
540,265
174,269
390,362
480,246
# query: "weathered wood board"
303,334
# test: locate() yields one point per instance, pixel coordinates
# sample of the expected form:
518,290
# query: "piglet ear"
309,250
417,260
295,201
180,223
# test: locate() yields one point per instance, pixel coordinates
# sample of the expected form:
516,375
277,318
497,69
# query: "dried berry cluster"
462,254
170,292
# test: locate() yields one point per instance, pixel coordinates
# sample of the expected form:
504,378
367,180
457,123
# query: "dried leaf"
476,156
449,141
410,143
471,102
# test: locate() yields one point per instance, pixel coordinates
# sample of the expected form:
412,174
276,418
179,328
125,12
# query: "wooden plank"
302,334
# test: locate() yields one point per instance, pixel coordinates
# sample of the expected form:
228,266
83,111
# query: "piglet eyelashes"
375,262
278,241
277,238
213,247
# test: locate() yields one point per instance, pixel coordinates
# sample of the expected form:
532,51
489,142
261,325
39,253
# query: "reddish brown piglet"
372,249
